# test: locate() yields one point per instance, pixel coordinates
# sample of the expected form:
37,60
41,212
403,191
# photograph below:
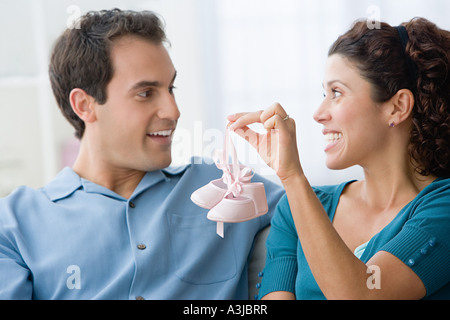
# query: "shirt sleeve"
280,270
15,277
15,281
423,244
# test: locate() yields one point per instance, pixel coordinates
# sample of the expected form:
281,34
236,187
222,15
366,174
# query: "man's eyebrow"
146,84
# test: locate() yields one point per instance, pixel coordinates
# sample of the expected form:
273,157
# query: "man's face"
136,125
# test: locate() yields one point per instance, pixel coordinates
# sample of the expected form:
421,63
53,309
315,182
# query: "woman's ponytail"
429,49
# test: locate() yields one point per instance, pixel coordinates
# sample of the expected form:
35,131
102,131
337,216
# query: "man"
120,224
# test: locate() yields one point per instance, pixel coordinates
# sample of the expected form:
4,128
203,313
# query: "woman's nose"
322,114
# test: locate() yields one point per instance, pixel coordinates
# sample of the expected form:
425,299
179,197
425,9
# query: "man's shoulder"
19,202
21,193
25,197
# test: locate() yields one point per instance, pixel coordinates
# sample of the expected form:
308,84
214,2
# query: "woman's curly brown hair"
380,57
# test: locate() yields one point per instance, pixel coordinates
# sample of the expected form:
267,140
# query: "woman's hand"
277,147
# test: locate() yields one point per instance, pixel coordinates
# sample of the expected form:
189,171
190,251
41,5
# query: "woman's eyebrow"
329,83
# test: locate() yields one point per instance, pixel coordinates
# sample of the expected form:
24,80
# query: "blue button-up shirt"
74,239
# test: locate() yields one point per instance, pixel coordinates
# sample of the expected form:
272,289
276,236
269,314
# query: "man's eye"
171,89
145,94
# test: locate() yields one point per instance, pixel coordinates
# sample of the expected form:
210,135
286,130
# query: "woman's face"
355,127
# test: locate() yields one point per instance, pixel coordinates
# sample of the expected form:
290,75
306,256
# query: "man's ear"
402,104
83,105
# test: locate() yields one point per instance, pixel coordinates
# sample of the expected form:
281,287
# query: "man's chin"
159,164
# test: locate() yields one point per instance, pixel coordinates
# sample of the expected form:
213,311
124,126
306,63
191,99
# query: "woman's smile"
332,139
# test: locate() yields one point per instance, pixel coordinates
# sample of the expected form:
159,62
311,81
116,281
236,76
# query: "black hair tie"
412,67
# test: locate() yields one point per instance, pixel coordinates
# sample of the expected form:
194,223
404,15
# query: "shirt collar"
176,170
151,178
68,181
65,183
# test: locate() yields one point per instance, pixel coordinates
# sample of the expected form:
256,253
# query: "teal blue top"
419,236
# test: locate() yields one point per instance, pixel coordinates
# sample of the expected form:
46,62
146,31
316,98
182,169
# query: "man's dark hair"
81,57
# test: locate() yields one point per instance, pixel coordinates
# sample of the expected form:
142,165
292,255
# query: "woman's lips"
332,138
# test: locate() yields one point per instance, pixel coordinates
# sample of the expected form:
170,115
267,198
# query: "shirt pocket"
200,255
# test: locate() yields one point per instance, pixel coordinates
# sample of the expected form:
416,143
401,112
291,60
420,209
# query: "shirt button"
261,274
432,242
132,205
258,285
141,246
411,262
140,298
423,251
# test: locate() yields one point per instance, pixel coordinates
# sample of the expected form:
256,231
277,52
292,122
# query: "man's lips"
162,136
162,133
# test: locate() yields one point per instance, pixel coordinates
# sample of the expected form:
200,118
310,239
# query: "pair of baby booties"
233,198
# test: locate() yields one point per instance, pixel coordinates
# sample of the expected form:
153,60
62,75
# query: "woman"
387,109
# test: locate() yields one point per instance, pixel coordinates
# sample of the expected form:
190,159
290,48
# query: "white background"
231,56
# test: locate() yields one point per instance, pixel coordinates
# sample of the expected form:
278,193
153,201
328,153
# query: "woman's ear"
402,104
83,105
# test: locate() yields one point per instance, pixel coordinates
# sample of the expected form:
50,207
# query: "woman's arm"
279,295
337,271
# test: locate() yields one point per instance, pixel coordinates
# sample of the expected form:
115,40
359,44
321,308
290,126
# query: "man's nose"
168,108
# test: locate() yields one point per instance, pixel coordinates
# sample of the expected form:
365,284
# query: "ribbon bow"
233,198
234,175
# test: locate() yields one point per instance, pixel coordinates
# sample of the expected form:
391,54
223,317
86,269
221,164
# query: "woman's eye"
336,93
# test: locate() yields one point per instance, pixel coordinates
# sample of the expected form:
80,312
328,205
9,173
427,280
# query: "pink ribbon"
235,186
234,175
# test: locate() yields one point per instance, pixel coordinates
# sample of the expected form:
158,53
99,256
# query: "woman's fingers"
274,117
241,120
270,118
278,146
275,110
249,135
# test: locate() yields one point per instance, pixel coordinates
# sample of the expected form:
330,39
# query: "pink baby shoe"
210,195
232,198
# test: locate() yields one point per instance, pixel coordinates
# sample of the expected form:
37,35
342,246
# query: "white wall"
231,55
